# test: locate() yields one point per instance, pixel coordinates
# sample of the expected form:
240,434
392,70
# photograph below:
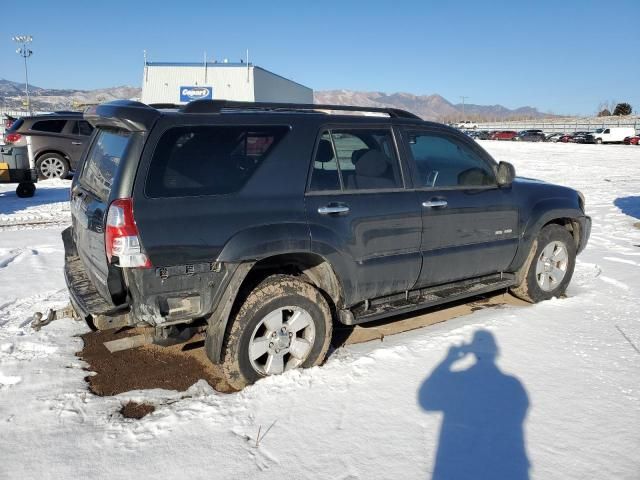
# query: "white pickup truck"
467,125
613,134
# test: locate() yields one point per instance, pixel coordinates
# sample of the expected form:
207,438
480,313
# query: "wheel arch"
314,268
561,211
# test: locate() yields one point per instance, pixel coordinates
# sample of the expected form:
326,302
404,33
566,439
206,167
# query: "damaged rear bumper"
84,297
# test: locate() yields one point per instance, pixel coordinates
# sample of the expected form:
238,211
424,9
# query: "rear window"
209,160
103,160
50,126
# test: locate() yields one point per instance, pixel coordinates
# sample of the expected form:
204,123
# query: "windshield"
599,130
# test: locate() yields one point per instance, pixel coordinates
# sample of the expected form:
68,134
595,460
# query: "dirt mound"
136,410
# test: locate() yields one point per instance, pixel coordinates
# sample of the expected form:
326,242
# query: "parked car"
554,137
633,140
263,224
583,137
530,136
57,140
613,134
467,125
482,135
568,137
504,135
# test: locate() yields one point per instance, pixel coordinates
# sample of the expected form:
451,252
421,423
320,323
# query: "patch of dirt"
180,366
136,410
171,368
637,224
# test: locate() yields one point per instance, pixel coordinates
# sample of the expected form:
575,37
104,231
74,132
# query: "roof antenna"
146,70
247,65
205,67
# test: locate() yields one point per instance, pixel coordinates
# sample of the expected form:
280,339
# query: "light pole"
25,52
463,99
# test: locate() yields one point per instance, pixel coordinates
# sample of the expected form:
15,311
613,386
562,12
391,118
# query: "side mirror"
506,174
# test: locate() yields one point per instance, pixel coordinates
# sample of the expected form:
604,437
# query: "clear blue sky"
563,57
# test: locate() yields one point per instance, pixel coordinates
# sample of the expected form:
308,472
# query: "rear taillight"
122,241
12,137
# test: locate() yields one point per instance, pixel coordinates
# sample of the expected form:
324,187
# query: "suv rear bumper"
85,299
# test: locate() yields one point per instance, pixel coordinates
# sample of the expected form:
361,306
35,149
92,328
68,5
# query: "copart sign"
188,94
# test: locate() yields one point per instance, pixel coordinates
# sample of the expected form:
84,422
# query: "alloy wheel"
551,266
282,340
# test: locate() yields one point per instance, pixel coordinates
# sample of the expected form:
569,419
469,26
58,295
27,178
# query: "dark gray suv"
263,225
57,140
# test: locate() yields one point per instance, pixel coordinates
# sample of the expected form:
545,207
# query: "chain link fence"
563,125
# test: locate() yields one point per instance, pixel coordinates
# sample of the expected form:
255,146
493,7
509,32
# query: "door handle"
333,209
435,204
76,143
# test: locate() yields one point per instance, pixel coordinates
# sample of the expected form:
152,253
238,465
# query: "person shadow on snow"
481,436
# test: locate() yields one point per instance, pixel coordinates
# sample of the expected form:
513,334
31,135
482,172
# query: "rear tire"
284,323
52,165
549,270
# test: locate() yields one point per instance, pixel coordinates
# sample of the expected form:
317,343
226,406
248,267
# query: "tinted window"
82,128
208,160
51,126
325,166
443,161
366,160
103,160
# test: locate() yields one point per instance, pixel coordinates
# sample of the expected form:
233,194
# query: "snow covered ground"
563,395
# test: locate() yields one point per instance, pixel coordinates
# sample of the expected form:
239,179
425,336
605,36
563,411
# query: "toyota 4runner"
263,224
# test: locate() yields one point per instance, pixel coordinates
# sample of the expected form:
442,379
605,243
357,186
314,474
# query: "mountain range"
429,107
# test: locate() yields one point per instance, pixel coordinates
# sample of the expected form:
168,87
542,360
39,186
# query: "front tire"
284,323
549,269
52,165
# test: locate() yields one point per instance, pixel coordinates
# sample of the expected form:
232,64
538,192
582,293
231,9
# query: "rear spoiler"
126,114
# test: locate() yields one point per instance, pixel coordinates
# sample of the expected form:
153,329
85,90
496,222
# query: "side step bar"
413,300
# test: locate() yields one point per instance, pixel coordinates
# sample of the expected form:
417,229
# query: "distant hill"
48,99
429,107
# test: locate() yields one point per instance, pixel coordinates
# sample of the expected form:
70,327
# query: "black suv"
531,136
265,223
57,141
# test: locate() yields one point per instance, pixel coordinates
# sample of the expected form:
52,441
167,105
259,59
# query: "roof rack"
216,106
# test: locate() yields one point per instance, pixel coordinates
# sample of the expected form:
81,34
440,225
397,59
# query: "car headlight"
581,201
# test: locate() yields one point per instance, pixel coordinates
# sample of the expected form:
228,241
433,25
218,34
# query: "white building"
179,83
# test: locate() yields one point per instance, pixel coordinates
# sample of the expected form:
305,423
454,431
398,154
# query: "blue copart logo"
188,94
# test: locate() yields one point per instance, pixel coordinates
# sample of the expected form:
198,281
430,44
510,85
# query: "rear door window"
103,160
358,159
209,160
50,126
